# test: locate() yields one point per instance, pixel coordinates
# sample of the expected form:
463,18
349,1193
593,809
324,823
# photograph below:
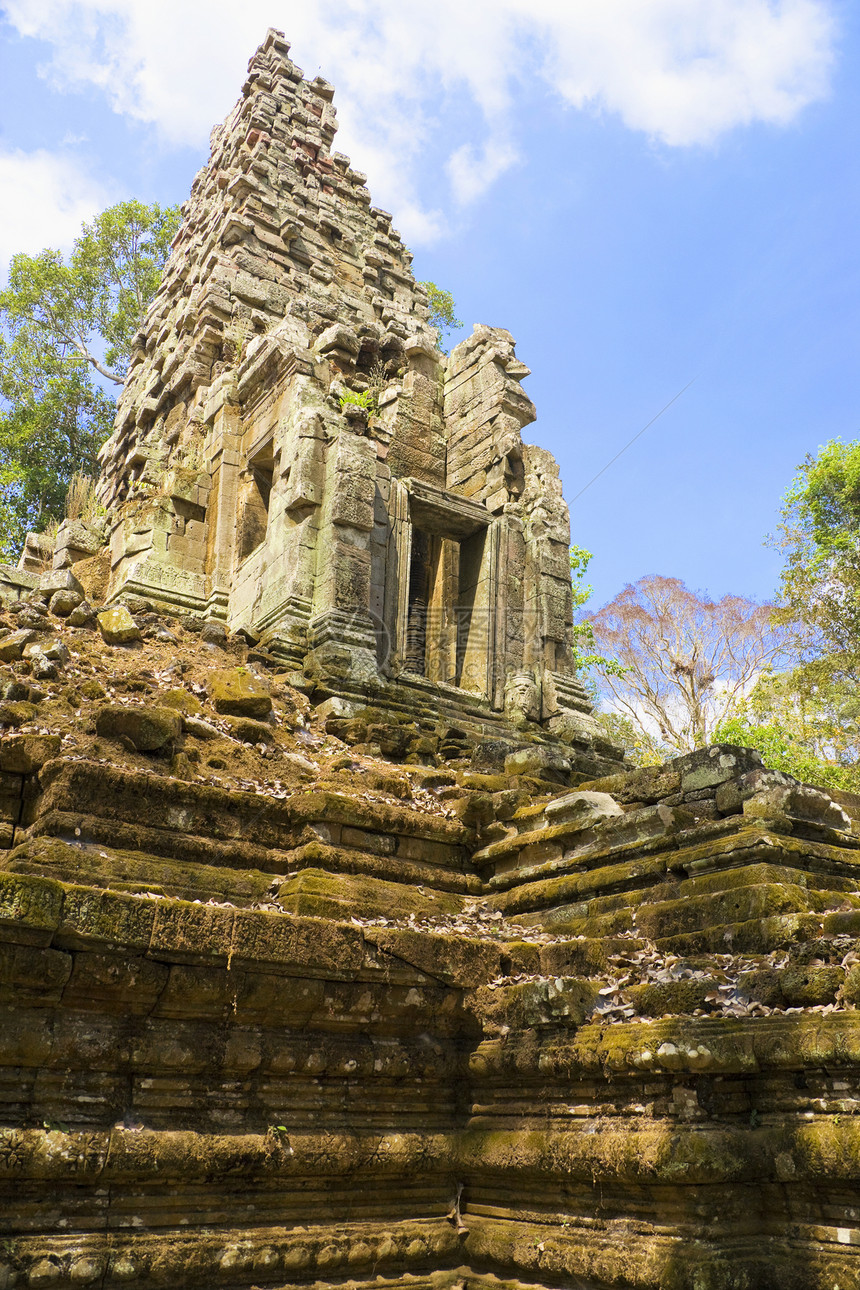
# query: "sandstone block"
26,753
12,646
59,580
42,667
214,634
199,727
83,615
797,802
181,700
148,728
583,809
17,713
710,767
250,731
117,626
237,692
537,760
730,797
64,601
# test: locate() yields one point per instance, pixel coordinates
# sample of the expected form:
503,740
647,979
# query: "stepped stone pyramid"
322,963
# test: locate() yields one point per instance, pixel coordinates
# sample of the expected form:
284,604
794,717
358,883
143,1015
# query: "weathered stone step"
185,822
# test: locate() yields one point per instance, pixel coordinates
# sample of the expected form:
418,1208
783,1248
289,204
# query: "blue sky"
645,192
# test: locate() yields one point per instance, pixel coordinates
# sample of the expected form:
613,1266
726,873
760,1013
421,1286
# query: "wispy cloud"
682,72
49,197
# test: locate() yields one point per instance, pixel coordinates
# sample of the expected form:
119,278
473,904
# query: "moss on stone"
322,895
181,700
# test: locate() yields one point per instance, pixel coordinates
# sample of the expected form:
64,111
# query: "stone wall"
258,1043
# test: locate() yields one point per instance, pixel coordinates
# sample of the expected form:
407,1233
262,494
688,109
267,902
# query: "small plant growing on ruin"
362,399
443,311
238,333
82,501
194,455
51,530
381,374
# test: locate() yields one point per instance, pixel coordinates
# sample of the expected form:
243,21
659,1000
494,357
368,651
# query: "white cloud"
686,71
46,198
680,71
473,170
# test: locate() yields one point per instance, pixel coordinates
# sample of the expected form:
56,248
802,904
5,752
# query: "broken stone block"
538,759
137,604
584,809
148,728
37,554
731,796
77,540
181,701
17,713
58,652
239,693
14,690
34,617
200,727
249,731
59,580
26,753
91,689
800,803
117,626
646,784
64,601
710,767
214,634
12,647
83,615
42,667
301,764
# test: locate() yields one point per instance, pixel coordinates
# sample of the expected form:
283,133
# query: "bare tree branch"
689,660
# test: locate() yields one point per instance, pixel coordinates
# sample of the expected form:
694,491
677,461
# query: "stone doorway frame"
462,632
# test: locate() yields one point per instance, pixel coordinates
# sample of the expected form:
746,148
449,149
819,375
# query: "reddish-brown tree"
688,660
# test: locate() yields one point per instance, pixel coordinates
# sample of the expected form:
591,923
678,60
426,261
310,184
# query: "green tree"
66,331
443,314
820,540
585,654
805,722
640,747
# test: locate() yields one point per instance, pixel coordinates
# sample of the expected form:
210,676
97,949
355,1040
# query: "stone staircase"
609,1042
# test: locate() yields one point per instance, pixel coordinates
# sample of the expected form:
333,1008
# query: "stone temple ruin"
336,948
294,456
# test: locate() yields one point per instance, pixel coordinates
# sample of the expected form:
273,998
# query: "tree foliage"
820,540
686,661
585,653
64,324
806,722
443,315
641,748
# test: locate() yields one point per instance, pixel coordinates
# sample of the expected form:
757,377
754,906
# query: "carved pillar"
223,440
341,631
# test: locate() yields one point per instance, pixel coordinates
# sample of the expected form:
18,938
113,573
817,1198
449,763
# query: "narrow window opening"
472,616
419,588
254,497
